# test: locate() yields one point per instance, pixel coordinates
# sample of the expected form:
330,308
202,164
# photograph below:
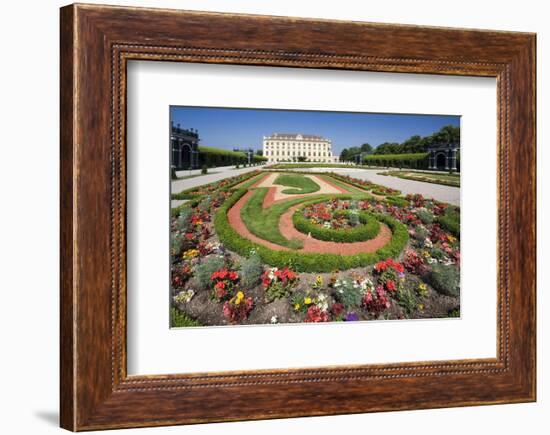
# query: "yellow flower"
421,307
307,300
191,253
426,254
296,307
319,281
451,238
239,297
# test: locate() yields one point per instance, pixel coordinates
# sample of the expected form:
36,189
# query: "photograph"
301,216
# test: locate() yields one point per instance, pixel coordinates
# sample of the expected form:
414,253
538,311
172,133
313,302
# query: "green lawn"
264,223
427,177
299,184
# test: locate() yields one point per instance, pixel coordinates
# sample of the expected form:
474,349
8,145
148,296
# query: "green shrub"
438,254
213,157
179,319
397,201
251,270
204,169
450,221
368,229
407,300
425,216
204,271
445,279
420,233
182,221
348,295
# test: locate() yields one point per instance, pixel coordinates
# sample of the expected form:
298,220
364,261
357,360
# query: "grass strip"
299,183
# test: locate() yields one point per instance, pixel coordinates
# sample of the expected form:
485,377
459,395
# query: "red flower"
315,315
220,285
390,285
233,276
337,309
380,266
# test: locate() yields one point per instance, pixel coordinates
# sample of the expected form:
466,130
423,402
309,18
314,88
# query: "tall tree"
366,148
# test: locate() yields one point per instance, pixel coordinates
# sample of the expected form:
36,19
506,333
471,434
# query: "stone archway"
441,161
185,156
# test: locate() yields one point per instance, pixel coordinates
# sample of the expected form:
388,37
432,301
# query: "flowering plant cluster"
184,296
414,263
237,308
315,315
224,282
417,200
180,274
278,282
335,214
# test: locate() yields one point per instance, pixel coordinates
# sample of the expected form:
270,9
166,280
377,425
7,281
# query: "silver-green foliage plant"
251,270
445,279
204,271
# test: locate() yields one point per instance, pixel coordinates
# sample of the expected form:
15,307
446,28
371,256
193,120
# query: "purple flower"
351,317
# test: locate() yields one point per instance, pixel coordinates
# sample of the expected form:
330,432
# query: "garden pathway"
286,227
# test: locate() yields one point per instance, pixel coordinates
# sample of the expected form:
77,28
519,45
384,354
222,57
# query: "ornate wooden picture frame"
96,44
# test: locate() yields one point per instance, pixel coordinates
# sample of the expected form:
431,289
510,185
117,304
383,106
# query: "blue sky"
239,128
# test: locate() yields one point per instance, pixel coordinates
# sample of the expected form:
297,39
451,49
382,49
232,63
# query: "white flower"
431,260
428,243
322,302
271,274
274,319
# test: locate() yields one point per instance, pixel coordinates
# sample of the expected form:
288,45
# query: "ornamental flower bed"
209,189
224,283
237,308
213,285
278,282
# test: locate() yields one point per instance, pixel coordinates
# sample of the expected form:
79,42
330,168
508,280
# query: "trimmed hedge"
450,221
306,261
369,228
179,319
411,161
211,156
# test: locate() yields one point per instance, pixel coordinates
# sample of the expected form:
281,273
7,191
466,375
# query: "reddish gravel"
287,229
234,217
310,244
269,199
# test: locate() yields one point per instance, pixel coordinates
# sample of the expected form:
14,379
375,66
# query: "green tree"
366,148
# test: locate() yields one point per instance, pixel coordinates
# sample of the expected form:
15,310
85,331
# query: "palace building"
283,147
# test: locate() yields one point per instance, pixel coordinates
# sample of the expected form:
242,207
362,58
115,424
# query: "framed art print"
302,221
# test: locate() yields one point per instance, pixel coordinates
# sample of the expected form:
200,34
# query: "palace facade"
286,147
